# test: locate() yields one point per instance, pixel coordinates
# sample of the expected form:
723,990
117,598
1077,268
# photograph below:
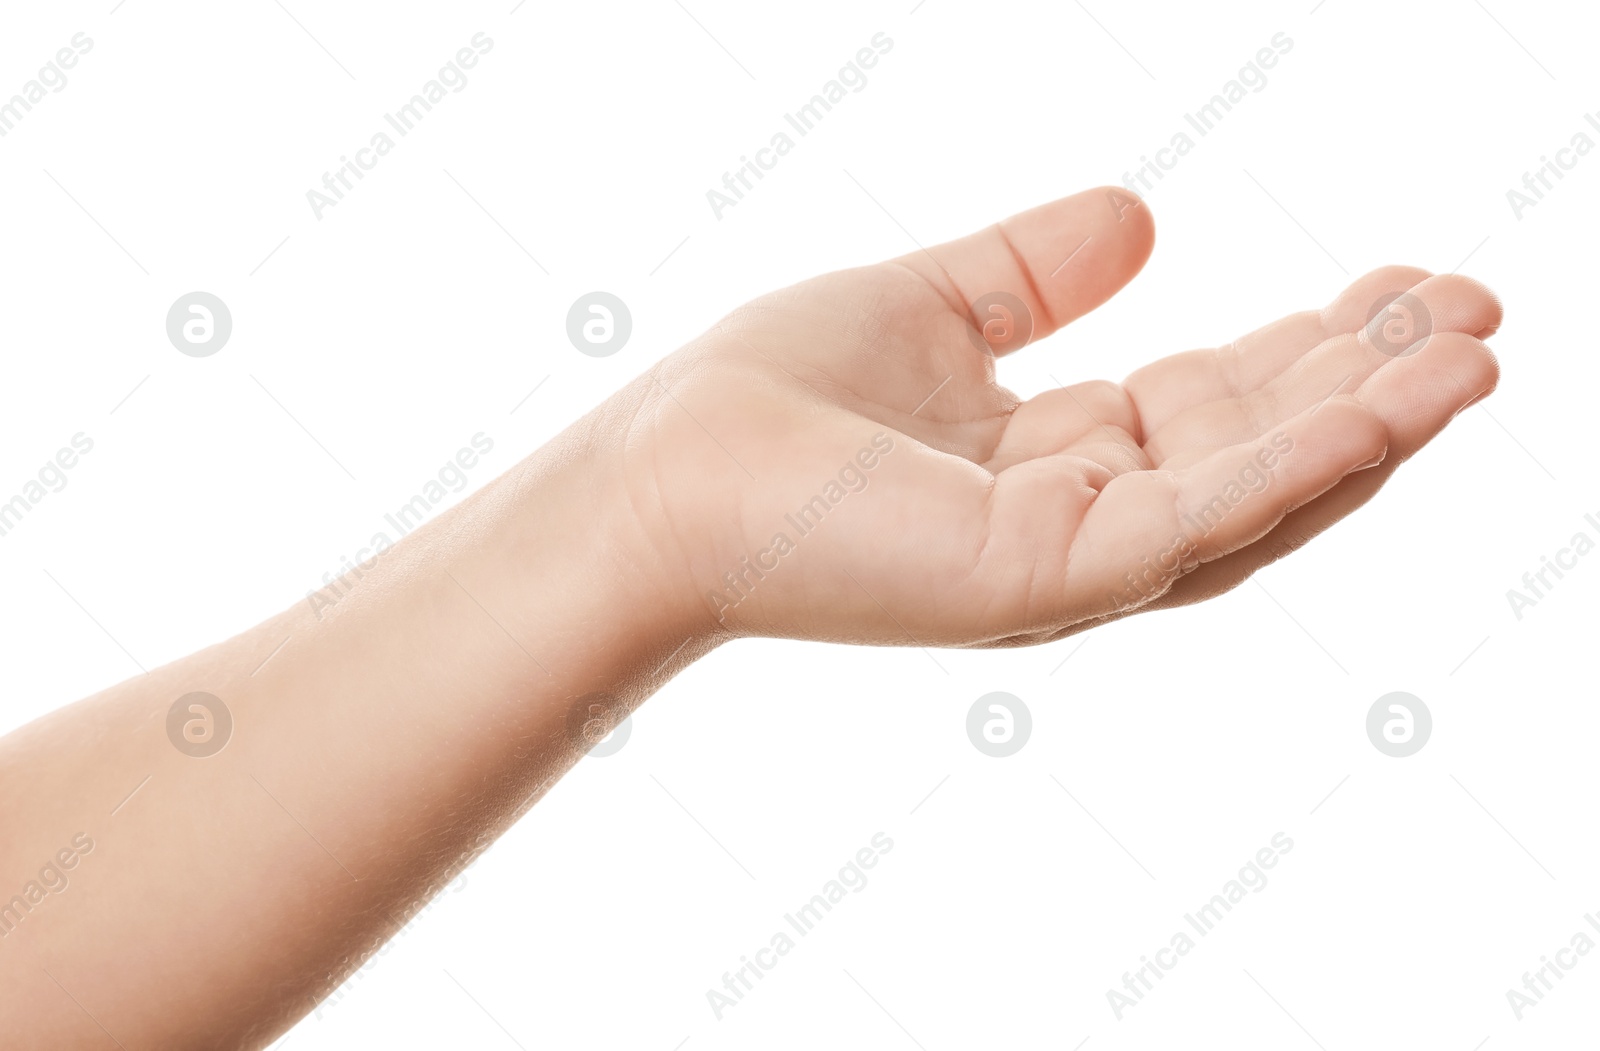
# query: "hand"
853,416
944,510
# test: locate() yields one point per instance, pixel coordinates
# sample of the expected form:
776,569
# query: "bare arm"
388,740
834,461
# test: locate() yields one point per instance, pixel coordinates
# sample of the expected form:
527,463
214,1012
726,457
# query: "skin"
393,736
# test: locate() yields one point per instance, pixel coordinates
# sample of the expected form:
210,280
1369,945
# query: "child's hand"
836,461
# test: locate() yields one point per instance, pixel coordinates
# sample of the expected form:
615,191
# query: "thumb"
1057,262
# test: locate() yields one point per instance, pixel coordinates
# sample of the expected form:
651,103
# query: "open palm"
835,460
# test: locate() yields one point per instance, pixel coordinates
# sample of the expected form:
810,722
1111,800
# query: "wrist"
578,554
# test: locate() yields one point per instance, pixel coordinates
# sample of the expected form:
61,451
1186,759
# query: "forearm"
389,739
834,462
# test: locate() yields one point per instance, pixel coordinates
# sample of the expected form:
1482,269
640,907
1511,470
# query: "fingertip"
1130,216
1354,307
1460,304
1468,363
1352,432
1494,308
1053,263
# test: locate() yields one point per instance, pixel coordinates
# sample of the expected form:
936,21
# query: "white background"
412,315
